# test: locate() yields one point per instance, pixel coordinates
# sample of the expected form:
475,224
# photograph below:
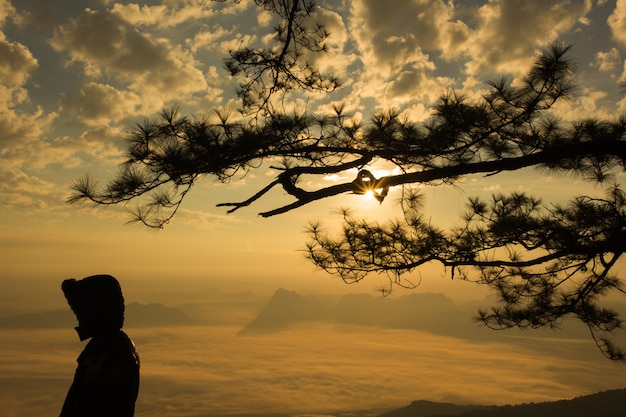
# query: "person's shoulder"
125,346
123,338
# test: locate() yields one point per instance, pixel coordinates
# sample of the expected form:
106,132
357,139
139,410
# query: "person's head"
97,302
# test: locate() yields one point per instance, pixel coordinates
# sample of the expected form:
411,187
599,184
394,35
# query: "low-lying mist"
315,368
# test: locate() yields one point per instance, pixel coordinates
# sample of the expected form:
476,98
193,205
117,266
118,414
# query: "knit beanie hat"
97,302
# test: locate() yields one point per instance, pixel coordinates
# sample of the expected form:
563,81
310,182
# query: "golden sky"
75,75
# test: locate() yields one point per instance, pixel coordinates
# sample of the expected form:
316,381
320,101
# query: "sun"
374,196
369,194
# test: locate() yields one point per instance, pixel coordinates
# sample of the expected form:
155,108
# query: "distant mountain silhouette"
603,404
155,315
137,315
43,320
431,312
217,308
286,308
427,312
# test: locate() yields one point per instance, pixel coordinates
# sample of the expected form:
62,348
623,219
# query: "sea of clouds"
316,368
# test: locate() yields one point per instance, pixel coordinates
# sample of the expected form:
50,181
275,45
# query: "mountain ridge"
136,315
611,403
431,312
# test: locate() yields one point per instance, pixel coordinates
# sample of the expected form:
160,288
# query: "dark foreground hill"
603,404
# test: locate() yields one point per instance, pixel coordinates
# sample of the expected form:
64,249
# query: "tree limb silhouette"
545,261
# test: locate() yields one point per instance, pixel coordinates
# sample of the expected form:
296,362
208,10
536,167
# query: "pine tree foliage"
546,261
282,67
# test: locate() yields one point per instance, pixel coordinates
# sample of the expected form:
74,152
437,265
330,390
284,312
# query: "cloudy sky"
76,75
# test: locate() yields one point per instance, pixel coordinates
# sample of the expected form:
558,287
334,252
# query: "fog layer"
317,368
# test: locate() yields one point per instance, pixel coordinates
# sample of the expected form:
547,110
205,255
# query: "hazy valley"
303,354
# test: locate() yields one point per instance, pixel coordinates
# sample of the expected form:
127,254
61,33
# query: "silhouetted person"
106,382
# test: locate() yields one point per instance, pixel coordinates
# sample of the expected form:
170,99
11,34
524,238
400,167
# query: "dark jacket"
106,382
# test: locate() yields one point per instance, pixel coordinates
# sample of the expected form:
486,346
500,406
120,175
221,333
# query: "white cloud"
385,35
102,142
100,104
588,104
509,33
395,39
19,182
236,42
22,125
22,191
158,15
207,38
16,63
264,18
6,11
335,59
16,123
174,13
19,120
396,32
104,41
617,21
606,61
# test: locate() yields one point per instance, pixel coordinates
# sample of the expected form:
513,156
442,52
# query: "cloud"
385,34
18,121
104,39
617,22
264,18
16,63
22,191
191,371
588,103
173,13
202,219
7,11
22,125
19,124
606,61
160,15
228,45
107,45
100,104
207,38
509,33
103,143
395,40
335,59
396,32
